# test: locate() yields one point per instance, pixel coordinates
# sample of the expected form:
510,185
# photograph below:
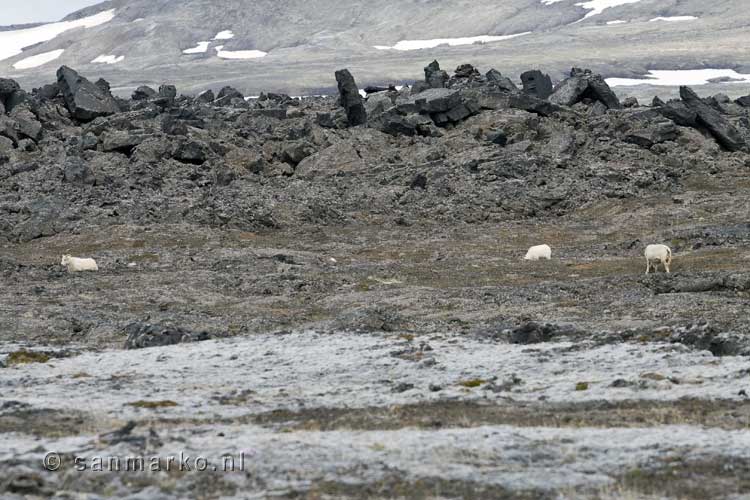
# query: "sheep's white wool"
658,254
75,264
539,252
38,60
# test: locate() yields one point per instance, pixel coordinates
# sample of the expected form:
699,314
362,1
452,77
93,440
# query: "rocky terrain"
331,290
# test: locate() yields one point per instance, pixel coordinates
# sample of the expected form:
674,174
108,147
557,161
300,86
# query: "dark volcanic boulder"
143,93
103,85
434,77
528,102
679,113
7,87
206,97
144,335
84,100
227,95
537,84
350,99
75,171
569,91
466,71
583,84
495,78
744,101
724,132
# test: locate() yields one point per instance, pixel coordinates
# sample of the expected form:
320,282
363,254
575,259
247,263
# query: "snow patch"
201,48
108,59
673,19
430,44
619,21
595,6
679,77
239,54
13,42
38,60
224,35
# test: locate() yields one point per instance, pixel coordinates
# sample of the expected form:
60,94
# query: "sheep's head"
65,260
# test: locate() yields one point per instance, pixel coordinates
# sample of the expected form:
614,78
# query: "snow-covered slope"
295,45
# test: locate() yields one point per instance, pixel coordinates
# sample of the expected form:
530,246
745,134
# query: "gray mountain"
306,41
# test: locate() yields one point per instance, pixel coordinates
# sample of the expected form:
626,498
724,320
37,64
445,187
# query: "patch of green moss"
152,405
472,383
582,386
23,357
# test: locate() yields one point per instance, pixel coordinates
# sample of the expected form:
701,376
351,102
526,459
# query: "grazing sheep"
539,252
656,254
75,264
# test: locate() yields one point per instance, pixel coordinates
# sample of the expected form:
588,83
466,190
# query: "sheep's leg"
666,266
648,266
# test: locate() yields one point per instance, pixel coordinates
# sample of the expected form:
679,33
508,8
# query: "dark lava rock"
724,132
498,137
7,87
466,71
350,99
144,335
227,95
528,102
496,78
709,338
143,93
434,77
167,92
630,102
679,113
206,97
84,100
533,333
583,84
75,171
537,84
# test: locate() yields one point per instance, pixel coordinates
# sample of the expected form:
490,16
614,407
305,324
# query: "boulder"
143,93
378,103
227,95
120,141
600,90
724,132
656,102
297,151
16,98
528,102
583,84
647,134
75,171
350,99
103,85
7,87
167,92
570,91
193,152
84,100
630,102
26,123
537,84
496,79
434,77
679,113
48,92
435,100
206,97
376,90
145,335
466,71
744,101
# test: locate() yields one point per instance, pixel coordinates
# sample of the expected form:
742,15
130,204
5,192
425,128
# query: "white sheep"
75,264
539,252
656,254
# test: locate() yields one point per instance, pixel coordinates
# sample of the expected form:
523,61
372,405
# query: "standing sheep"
539,252
75,264
656,254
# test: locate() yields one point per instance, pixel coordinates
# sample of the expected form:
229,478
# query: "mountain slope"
305,41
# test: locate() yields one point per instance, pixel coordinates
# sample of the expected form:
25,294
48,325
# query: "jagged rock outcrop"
724,132
84,100
434,77
584,84
350,98
537,84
